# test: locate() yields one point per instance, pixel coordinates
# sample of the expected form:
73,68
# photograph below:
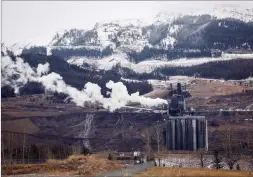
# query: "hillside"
186,41
228,70
187,36
77,77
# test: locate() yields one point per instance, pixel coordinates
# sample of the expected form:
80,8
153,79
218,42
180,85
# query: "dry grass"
233,127
202,89
190,172
75,165
20,125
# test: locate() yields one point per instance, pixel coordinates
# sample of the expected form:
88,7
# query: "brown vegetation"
18,125
165,171
206,88
74,165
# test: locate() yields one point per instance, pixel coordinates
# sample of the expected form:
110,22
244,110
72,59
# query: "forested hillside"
230,69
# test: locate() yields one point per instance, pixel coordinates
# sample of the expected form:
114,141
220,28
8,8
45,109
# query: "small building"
137,153
248,86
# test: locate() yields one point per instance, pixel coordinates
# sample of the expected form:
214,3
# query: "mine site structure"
248,86
183,130
177,103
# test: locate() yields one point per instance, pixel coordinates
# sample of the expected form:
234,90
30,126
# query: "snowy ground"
158,84
150,65
172,80
194,162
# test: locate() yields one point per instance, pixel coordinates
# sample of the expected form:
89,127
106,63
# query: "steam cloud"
17,73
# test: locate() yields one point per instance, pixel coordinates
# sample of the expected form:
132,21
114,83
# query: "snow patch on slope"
103,64
150,65
16,49
171,80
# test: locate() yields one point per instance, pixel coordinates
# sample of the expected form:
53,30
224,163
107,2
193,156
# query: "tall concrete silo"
186,133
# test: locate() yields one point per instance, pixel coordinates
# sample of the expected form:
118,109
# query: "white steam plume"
18,73
42,69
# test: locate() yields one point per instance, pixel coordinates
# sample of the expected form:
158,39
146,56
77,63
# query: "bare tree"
147,140
202,157
251,157
76,149
217,159
249,129
158,137
231,159
24,145
2,147
10,144
48,153
231,154
28,153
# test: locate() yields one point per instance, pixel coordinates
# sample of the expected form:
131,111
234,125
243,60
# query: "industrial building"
186,133
183,130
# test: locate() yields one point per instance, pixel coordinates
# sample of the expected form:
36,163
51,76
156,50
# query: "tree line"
16,148
66,53
170,54
230,69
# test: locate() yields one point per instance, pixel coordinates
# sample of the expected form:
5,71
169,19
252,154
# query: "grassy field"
15,126
205,88
193,172
88,165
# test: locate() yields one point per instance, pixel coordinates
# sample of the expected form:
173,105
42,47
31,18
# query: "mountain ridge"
182,40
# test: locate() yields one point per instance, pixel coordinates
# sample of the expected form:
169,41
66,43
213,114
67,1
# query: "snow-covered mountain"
219,11
172,39
124,33
163,31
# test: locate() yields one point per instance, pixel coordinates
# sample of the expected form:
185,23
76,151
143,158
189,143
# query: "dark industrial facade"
186,133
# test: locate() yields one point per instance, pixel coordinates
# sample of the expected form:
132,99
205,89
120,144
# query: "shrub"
238,167
110,157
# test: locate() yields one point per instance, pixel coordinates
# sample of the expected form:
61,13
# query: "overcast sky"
37,22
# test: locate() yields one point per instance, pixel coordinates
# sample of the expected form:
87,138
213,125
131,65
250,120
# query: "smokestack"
179,88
